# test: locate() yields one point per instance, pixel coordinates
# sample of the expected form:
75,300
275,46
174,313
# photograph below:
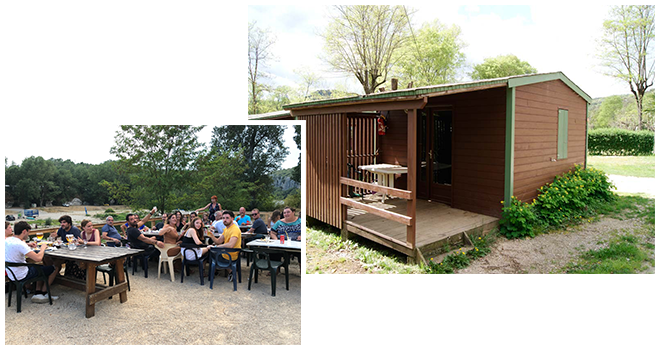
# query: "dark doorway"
434,137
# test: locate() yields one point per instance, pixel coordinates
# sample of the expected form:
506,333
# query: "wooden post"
412,176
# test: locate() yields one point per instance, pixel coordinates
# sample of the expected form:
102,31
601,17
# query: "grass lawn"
638,166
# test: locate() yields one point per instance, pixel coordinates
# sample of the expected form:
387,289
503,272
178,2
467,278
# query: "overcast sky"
73,71
550,37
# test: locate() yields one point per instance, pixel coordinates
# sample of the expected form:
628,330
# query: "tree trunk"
639,110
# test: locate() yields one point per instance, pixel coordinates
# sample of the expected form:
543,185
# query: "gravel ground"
168,313
549,252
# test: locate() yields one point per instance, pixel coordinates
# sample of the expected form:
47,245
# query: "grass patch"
371,257
623,254
638,166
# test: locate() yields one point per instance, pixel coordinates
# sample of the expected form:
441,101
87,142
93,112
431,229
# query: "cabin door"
434,155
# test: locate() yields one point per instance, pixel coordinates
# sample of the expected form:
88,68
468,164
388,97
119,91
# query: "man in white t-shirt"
16,250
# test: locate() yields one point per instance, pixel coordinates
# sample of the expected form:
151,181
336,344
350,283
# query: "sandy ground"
159,311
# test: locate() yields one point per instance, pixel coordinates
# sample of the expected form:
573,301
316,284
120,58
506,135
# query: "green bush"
620,142
518,219
568,198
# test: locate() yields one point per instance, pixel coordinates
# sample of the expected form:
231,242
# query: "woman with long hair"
193,240
89,233
170,235
275,217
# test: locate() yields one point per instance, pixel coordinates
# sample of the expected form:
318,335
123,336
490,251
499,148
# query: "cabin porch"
437,226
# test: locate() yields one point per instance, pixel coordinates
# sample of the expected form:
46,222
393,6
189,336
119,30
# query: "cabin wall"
478,148
535,158
478,155
326,163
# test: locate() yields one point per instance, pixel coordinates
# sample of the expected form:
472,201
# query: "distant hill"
283,183
620,111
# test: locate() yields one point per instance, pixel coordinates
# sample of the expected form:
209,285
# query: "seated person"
275,217
142,226
89,233
192,241
135,237
217,225
289,226
110,233
159,226
258,226
242,219
231,236
170,236
66,228
16,250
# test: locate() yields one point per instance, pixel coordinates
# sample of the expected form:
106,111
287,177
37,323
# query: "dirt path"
551,252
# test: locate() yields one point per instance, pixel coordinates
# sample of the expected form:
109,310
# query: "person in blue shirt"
242,219
110,233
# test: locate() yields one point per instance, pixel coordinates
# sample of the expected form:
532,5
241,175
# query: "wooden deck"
438,225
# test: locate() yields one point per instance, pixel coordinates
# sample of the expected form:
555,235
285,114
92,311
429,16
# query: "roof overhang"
409,98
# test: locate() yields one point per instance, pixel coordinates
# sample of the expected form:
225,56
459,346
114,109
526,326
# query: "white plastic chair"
169,259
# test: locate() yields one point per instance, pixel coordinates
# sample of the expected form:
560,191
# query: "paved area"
630,184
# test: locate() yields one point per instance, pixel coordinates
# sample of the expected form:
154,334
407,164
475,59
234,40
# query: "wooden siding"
479,124
326,163
478,155
537,110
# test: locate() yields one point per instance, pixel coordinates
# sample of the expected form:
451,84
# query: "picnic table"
91,257
385,174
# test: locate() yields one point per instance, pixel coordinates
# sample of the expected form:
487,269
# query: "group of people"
177,231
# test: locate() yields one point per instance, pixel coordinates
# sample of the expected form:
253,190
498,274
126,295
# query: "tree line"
164,165
374,43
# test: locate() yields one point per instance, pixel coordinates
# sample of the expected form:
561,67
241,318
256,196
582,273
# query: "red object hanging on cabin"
382,125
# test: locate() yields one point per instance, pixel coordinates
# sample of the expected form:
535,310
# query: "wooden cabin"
457,151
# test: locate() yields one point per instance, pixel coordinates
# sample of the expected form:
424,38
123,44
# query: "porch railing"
408,220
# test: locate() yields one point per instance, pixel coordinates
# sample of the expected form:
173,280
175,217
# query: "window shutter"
562,135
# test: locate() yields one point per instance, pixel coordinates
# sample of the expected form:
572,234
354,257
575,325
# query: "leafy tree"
263,152
309,80
36,181
433,56
364,41
502,66
297,138
158,159
608,111
221,174
259,54
627,49
278,97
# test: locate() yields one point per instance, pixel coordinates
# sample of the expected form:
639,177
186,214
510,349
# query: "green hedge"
620,142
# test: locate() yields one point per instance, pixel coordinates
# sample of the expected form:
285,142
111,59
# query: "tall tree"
433,56
158,158
627,49
263,151
35,181
502,66
259,54
364,40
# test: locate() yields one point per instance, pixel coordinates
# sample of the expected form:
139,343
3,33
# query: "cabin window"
562,135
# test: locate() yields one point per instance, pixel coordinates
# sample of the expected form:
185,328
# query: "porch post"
412,176
510,144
